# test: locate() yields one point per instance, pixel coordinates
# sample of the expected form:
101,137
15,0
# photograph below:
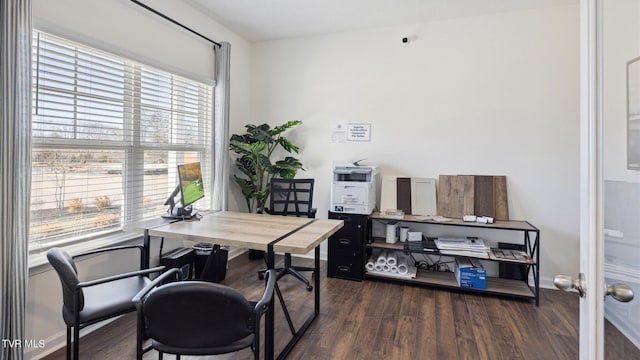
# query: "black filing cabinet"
347,255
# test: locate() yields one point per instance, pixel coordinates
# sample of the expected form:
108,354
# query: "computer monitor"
191,188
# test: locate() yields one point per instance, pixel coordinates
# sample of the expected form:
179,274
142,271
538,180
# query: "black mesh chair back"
292,197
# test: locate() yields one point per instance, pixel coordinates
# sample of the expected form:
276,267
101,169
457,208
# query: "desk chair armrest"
119,276
113,248
271,276
157,281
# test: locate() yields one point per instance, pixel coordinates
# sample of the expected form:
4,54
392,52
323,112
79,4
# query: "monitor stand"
180,213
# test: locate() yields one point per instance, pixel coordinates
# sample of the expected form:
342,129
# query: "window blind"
108,134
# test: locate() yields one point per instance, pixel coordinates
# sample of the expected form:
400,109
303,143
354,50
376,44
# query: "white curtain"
15,170
221,132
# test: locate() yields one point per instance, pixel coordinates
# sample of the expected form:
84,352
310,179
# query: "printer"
353,190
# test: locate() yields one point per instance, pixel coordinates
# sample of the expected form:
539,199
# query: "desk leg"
297,335
146,249
317,285
270,318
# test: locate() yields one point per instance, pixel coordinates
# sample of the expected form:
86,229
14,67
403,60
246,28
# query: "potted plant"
255,149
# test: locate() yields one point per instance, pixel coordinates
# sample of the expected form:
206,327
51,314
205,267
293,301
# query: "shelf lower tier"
379,243
514,288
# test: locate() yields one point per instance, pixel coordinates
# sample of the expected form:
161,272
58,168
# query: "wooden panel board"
468,200
483,196
423,196
455,195
404,194
388,196
500,197
479,195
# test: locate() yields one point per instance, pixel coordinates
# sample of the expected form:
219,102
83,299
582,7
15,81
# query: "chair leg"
290,270
256,341
261,274
159,355
76,342
68,342
300,277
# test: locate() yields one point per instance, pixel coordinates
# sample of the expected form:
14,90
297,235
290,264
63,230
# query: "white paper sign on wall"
359,132
338,134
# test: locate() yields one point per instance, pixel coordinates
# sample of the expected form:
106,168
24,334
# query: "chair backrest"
66,269
196,314
292,197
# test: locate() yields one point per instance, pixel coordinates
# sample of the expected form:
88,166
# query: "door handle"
619,291
566,283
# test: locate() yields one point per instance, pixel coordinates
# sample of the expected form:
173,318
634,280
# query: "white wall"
488,95
122,27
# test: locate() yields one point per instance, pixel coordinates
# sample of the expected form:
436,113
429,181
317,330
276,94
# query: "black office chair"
291,197
88,302
199,318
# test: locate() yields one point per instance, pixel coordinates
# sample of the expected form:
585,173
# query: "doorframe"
591,181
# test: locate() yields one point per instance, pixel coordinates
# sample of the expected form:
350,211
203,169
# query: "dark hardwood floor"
385,320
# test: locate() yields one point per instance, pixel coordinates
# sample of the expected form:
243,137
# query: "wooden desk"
245,230
259,232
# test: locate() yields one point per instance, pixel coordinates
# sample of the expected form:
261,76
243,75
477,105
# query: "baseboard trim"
59,340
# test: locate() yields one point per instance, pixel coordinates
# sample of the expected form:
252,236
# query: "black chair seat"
103,300
243,343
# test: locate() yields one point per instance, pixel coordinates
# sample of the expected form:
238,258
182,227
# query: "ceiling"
262,20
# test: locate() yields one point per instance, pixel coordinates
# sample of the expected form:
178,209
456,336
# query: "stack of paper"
470,246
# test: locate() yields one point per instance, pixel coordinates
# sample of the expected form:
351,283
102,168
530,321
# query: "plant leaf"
282,128
247,187
288,167
288,145
246,165
260,133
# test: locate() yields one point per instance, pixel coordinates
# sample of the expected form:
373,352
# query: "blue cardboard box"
470,273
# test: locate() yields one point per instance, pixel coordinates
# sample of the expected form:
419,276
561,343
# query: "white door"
609,36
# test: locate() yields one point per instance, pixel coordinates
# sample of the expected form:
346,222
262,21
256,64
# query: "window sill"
38,262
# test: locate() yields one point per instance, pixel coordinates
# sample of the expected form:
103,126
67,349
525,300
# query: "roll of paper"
385,267
371,263
393,269
377,267
403,267
392,258
382,258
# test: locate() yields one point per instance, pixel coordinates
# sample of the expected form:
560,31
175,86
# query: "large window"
107,136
